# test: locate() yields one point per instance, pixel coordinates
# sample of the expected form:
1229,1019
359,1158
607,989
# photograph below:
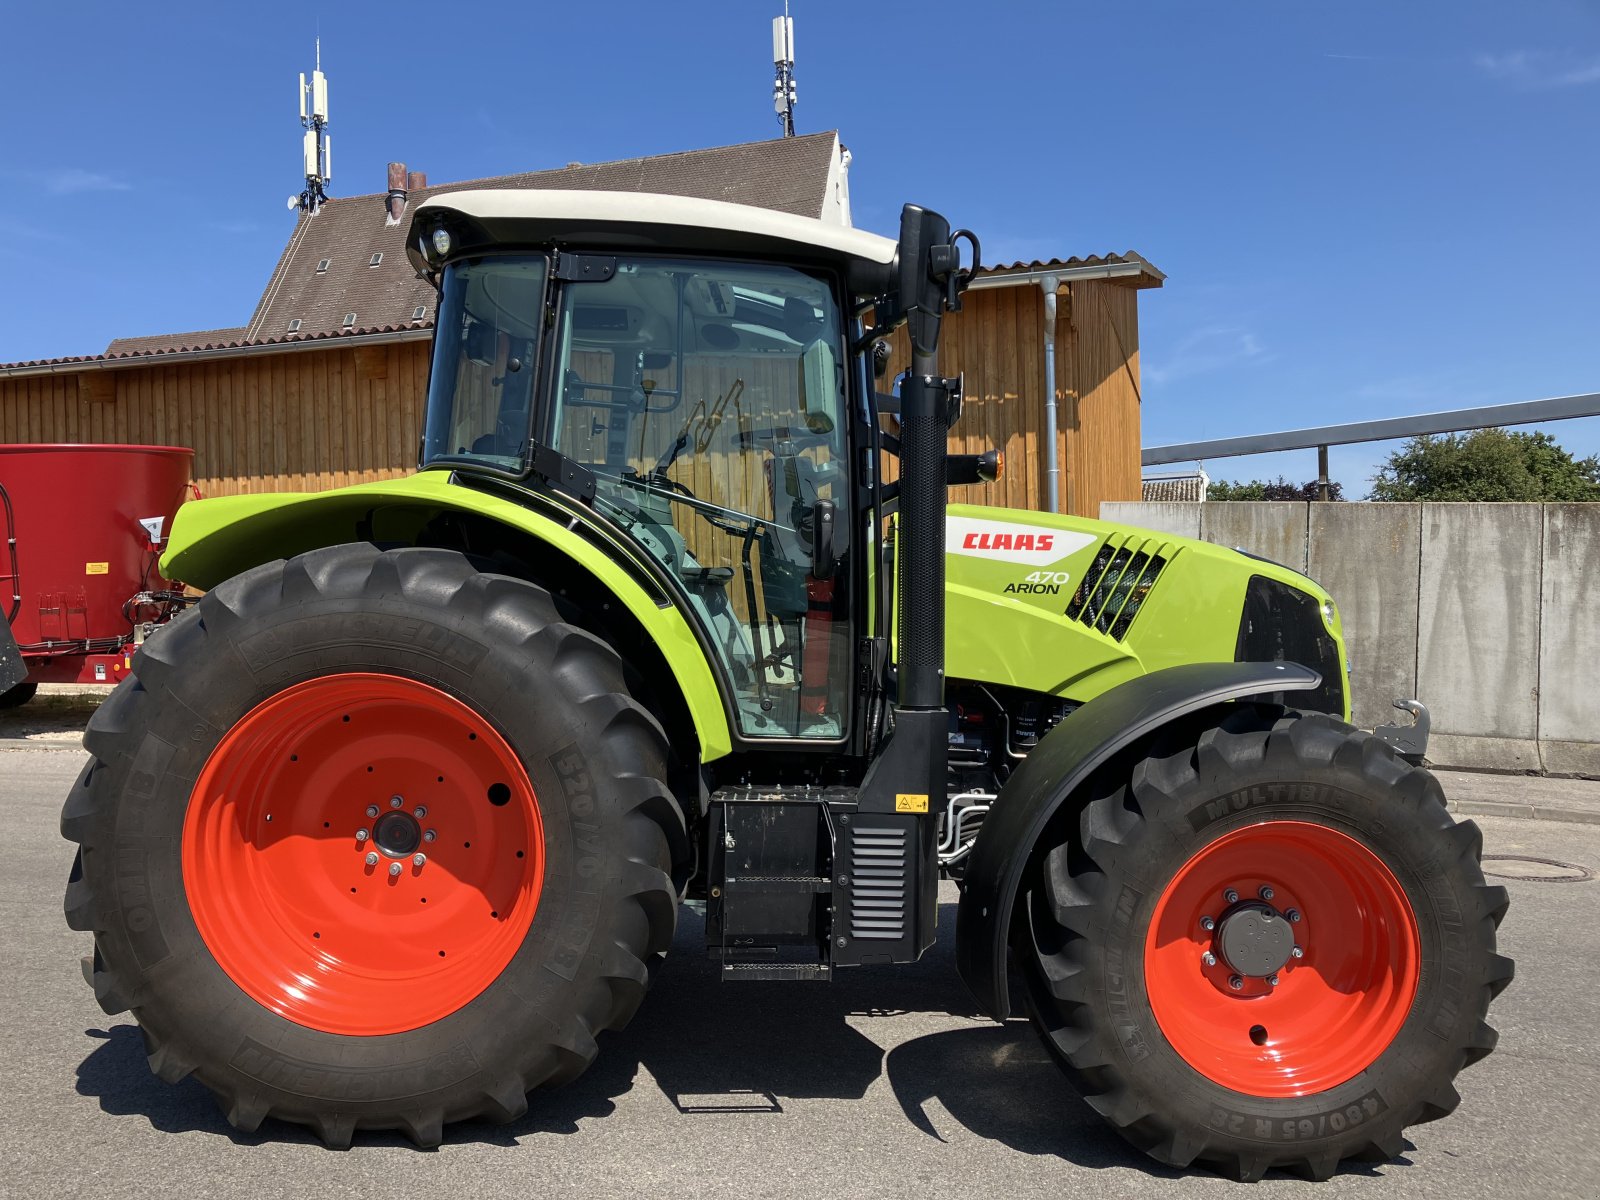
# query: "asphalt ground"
885,1083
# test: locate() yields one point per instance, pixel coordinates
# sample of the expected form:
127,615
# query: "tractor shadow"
723,1052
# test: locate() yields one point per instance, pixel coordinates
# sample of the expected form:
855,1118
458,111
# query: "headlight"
441,241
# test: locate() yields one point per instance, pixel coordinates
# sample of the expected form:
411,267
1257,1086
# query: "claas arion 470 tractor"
394,823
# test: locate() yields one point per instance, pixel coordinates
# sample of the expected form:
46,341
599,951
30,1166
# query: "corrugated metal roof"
1145,274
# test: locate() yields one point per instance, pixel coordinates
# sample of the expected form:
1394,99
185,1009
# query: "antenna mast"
317,146
783,89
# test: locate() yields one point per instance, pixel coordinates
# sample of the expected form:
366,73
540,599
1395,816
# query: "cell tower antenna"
316,145
783,89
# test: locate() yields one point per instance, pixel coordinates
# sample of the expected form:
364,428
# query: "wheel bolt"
394,869
1207,923
1235,982
1293,914
1231,896
1266,893
396,801
420,811
372,858
1208,959
418,859
1297,953
362,835
372,810
1272,980
430,835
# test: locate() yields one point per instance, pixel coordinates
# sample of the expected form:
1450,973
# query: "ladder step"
790,971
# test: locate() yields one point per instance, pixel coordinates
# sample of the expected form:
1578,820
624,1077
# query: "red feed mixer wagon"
84,527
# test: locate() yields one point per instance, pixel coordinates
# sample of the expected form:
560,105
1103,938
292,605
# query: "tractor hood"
1072,607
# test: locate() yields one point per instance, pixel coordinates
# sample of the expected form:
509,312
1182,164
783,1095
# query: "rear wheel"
1267,946
373,840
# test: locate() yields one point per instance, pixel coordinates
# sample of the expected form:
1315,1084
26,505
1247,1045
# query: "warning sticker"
906,802
97,568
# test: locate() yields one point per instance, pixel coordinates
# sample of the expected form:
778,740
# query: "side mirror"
819,384
822,551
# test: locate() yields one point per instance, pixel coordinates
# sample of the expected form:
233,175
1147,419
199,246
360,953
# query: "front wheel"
373,840
1267,946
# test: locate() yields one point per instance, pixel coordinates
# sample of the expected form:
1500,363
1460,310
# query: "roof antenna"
783,89
317,146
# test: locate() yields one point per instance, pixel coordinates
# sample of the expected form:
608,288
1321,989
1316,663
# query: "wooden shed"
325,385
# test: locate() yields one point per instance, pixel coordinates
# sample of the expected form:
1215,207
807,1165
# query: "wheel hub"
1254,939
397,834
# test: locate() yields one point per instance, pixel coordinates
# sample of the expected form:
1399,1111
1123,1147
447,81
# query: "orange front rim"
363,854
1282,959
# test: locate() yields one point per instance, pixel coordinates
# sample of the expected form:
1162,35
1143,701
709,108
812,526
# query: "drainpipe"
1052,459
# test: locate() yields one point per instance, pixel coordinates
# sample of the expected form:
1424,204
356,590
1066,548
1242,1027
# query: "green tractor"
396,821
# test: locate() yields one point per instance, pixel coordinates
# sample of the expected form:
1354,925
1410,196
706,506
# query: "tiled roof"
786,174
1185,486
161,343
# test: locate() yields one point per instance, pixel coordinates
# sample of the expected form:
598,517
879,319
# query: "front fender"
1056,768
214,540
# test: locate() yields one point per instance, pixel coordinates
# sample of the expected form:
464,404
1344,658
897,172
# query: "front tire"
1266,945
373,840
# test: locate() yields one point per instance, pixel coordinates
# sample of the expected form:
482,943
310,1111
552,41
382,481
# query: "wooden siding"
301,421
321,418
998,341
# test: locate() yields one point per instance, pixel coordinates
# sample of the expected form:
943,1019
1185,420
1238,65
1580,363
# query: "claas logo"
1008,541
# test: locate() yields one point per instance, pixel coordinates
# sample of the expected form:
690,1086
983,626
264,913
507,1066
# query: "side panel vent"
880,881
1115,585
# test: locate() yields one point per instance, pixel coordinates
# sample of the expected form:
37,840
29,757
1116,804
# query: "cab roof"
644,220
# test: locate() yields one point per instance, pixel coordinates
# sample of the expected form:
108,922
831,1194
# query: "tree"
1269,489
1486,465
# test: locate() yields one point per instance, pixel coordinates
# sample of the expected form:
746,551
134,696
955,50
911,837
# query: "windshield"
481,390
707,397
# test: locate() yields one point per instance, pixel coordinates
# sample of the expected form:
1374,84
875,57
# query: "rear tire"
19,695
1297,1065
175,860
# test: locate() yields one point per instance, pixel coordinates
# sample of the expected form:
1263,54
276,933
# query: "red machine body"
78,575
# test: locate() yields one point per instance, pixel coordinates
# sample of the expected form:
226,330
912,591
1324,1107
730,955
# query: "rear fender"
214,540
1056,769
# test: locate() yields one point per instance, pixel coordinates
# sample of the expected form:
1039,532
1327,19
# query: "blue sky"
1364,209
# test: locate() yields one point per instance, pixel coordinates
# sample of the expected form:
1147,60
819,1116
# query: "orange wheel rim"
1335,915
363,854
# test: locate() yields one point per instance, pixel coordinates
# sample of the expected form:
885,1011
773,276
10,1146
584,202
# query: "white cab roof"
584,210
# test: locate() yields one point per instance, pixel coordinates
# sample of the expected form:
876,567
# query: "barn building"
324,385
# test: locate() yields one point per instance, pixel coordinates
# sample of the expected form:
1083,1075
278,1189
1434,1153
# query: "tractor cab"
708,398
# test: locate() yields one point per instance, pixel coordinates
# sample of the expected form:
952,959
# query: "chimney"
397,192
415,181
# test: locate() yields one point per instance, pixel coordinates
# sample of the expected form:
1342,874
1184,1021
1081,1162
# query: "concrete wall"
1488,613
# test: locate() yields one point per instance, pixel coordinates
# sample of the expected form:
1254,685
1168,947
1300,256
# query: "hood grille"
1116,584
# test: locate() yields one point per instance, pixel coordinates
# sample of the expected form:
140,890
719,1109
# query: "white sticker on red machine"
1004,541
